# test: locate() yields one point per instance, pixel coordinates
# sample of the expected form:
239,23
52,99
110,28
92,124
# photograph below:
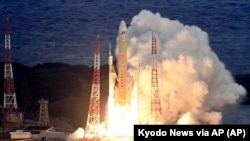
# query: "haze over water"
64,31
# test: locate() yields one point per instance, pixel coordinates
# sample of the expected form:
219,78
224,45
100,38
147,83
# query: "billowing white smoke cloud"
194,84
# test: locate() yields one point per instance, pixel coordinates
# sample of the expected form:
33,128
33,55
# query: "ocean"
236,115
64,31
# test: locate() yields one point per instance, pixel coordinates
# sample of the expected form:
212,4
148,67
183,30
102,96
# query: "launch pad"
123,99
108,138
123,102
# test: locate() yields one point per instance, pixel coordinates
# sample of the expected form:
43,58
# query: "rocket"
121,97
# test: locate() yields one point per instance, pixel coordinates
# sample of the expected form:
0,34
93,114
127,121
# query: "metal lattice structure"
156,111
10,109
93,119
43,114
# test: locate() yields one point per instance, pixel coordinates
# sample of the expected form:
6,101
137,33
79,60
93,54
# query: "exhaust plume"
194,84
76,136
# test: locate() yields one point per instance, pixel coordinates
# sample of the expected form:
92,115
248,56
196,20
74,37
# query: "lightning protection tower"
43,114
156,111
93,119
10,109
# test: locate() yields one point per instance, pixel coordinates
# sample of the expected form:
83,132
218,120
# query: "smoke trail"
194,84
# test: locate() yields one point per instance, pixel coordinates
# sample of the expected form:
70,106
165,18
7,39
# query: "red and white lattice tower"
156,111
10,108
93,120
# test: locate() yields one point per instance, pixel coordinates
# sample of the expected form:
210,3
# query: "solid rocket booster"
121,98
111,73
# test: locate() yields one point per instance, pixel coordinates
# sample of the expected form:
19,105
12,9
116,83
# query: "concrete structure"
20,134
46,135
36,130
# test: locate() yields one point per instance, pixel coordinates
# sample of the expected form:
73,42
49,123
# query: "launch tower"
44,114
156,111
10,109
93,119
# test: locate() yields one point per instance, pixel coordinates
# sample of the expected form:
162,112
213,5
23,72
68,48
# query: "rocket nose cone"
122,27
